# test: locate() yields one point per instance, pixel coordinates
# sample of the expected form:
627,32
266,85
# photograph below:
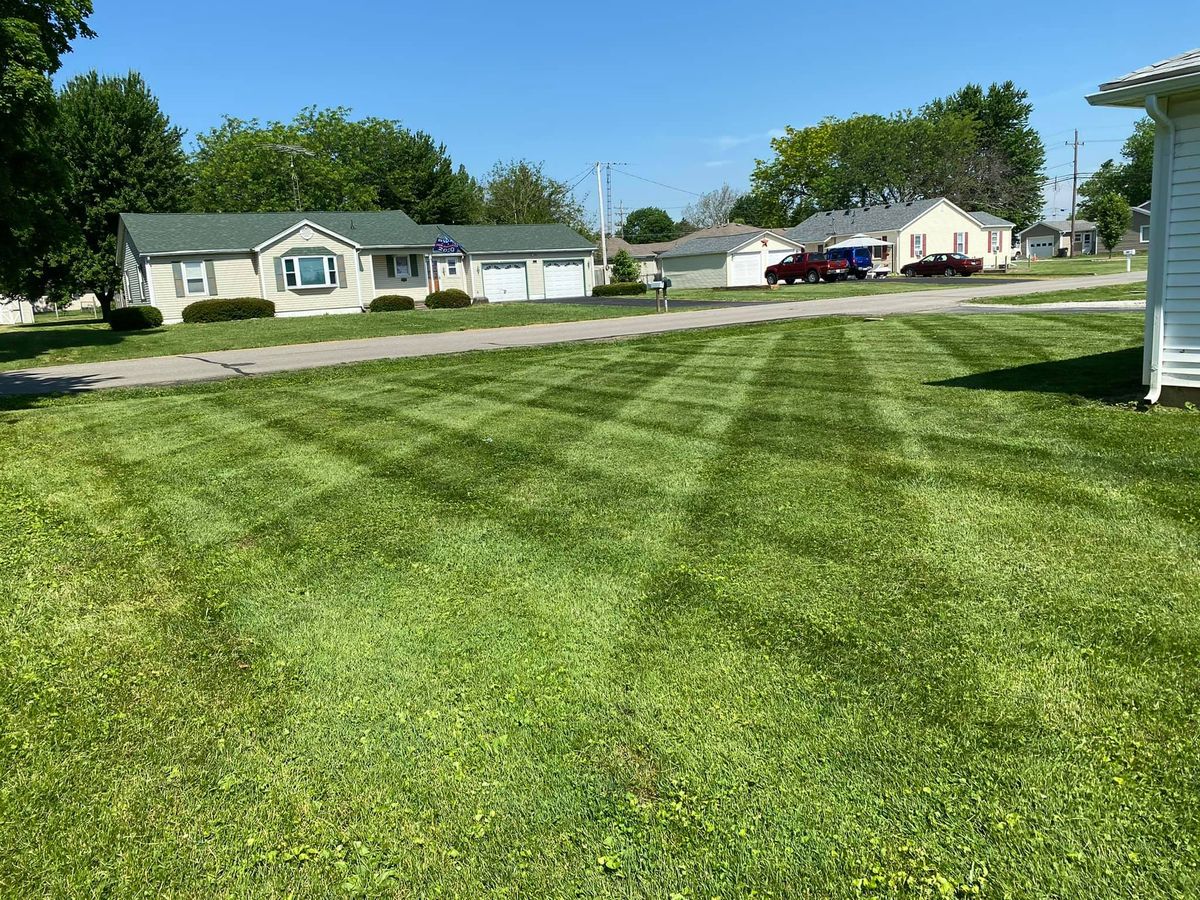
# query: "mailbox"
1131,253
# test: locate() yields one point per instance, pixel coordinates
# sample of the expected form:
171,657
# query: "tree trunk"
106,302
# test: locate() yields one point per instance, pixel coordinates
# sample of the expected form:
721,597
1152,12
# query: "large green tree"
1130,178
1004,168
325,160
756,208
122,155
519,192
33,38
648,225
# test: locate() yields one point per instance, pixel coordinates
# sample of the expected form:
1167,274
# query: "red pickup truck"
810,267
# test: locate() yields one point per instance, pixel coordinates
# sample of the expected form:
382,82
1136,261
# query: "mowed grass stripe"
816,610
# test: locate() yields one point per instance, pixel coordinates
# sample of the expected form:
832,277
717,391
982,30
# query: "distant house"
1169,92
914,230
1138,236
1048,237
648,255
318,263
731,260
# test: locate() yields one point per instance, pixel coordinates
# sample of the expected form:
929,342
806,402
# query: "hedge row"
392,303
451,298
619,289
134,318
228,310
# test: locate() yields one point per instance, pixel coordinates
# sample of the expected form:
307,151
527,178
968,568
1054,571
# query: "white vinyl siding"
1181,288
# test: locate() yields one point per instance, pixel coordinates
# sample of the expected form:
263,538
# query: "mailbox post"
1129,255
660,294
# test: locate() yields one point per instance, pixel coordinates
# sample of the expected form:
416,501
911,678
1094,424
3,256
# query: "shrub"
228,310
619,289
625,268
451,298
134,318
392,303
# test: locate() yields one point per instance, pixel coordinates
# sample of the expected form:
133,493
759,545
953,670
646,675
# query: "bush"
625,268
228,310
392,303
134,318
451,298
619,289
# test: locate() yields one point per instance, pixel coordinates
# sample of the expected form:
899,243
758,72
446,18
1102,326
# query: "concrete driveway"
167,370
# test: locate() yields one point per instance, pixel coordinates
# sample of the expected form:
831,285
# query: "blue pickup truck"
858,258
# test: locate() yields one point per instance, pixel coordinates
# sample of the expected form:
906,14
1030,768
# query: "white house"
1169,91
733,260
913,229
319,263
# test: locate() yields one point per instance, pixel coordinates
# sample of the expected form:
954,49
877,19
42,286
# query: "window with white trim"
195,279
1144,234
300,272
401,264
918,245
960,242
994,241
452,266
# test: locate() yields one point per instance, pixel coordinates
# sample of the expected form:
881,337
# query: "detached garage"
735,260
522,262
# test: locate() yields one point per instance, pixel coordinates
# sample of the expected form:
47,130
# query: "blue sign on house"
446,244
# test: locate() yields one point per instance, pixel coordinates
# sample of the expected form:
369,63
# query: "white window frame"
188,279
452,266
960,242
919,246
331,275
1144,234
397,263
994,241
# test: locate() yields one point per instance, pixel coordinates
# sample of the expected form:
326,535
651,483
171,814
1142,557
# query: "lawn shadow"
27,343
22,390
1111,377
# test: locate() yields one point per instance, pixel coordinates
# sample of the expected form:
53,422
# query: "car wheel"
908,273
790,280
949,273
861,276
813,276
966,274
771,279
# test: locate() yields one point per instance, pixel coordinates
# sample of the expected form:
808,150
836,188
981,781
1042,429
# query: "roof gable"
723,243
819,227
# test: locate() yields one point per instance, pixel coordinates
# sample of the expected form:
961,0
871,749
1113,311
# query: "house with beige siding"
1169,93
732,260
913,230
320,263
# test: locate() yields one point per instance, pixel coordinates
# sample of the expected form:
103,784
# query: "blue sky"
687,94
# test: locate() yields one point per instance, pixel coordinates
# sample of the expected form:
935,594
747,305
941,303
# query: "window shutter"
211,272
912,245
966,242
280,283
341,271
924,244
414,265
391,266
177,271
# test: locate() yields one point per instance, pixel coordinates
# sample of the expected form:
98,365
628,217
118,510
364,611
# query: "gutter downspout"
1160,215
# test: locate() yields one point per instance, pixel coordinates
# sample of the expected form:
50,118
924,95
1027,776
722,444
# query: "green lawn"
1075,295
72,342
1100,264
823,609
894,284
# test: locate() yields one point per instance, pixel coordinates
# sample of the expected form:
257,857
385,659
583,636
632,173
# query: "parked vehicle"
948,264
810,267
859,259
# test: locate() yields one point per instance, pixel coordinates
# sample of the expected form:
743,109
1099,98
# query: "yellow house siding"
473,284
415,286
939,225
236,276
291,301
707,271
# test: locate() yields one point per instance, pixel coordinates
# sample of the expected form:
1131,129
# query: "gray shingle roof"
991,221
885,217
181,232
516,238
715,244
1183,64
1064,225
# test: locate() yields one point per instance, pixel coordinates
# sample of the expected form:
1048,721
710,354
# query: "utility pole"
603,239
1074,192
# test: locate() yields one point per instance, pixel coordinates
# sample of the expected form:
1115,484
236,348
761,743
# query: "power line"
670,187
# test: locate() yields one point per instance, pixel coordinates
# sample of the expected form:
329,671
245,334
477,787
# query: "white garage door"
505,281
1041,247
746,269
564,278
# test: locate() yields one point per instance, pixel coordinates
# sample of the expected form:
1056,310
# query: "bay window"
310,271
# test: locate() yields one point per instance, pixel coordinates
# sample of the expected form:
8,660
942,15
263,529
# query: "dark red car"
810,267
948,264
